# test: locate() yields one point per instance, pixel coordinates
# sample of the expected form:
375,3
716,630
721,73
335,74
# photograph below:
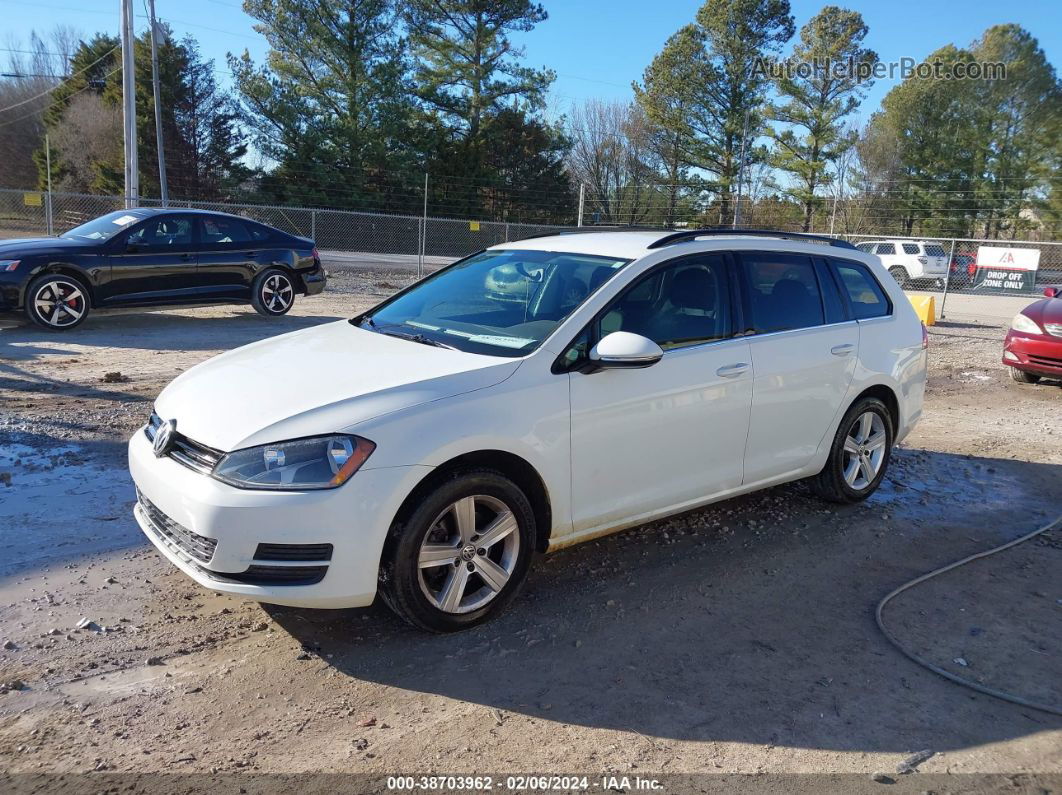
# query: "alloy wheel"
864,450
59,303
468,554
277,293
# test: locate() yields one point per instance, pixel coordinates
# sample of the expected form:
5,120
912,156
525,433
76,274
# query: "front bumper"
226,539
1039,354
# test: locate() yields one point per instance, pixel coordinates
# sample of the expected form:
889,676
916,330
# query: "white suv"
426,448
909,260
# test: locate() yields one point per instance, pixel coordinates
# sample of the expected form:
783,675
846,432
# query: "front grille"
175,534
185,451
273,575
289,552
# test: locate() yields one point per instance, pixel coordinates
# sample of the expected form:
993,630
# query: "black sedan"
156,257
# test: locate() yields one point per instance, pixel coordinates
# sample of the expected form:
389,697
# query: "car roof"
636,244
145,212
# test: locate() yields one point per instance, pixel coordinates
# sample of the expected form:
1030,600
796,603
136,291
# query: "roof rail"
692,234
578,230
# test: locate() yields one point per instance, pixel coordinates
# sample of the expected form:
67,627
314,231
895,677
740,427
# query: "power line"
53,88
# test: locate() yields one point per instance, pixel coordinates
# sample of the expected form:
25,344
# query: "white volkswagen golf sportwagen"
528,397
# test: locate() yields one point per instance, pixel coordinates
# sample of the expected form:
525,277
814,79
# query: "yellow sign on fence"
473,226
32,199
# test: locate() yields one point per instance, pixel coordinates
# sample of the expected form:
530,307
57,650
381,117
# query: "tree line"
353,103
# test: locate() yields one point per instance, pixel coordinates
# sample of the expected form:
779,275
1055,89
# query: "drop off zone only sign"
1002,268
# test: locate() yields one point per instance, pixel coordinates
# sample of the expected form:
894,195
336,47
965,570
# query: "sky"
596,47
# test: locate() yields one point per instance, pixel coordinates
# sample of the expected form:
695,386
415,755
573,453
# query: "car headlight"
1025,323
319,462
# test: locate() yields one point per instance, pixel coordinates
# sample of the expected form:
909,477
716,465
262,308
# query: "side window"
218,231
886,248
783,291
866,247
910,248
831,298
681,304
865,295
166,233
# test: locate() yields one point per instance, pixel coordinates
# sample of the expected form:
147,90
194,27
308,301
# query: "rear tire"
273,293
1023,377
900,274
57,302
460,554
859,455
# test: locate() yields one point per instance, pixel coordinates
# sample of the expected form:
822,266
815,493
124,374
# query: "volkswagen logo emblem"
163,437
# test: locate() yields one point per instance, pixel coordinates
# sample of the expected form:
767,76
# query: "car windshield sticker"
124,220
498,339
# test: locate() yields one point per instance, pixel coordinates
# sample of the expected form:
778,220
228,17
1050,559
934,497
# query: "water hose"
988,691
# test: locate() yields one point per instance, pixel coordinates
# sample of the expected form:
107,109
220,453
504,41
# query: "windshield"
103,228
502,303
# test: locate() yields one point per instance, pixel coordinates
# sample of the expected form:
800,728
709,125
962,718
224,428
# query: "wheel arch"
886,395
517,469
61,269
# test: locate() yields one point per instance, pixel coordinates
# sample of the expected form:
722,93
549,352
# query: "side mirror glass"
624,350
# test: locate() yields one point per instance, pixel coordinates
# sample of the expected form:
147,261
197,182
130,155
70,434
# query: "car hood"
319,380
1046,310
24,247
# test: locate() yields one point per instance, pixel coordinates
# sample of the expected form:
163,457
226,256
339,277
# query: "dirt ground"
739,639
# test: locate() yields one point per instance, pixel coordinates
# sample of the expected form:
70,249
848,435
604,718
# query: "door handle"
732,370
186,257
251,254
842,350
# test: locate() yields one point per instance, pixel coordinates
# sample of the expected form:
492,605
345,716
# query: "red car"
1033,347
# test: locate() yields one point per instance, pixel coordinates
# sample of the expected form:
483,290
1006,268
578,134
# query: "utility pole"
582,202
48,199
164,193
132,171
423,231
741,170
836,191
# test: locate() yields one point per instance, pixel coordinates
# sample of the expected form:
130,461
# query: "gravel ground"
735,639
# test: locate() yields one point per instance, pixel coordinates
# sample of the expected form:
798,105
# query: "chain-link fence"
35,212
971,266
991,267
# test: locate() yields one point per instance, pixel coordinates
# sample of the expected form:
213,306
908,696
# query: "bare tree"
88,139
613,155
33,69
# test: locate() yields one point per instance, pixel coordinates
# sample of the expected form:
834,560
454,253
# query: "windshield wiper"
418,338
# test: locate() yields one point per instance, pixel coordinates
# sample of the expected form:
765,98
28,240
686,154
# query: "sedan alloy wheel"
59,303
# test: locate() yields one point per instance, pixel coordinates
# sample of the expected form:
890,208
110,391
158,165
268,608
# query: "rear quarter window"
865,296
935,250
910,248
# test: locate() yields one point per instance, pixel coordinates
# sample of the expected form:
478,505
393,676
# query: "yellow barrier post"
925,306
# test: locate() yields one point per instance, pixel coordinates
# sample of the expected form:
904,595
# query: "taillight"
925,337
316,254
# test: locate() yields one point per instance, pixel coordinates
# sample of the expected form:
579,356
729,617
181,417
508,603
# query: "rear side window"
866,247
910,248
886,248
223,231
865,295
934,250
783,291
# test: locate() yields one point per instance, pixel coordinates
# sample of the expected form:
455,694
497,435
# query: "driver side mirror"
132,248
1052,292
624,350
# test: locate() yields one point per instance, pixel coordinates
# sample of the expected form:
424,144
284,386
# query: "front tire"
273,293
900,274
859,454
461,554
57,302
1023,377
